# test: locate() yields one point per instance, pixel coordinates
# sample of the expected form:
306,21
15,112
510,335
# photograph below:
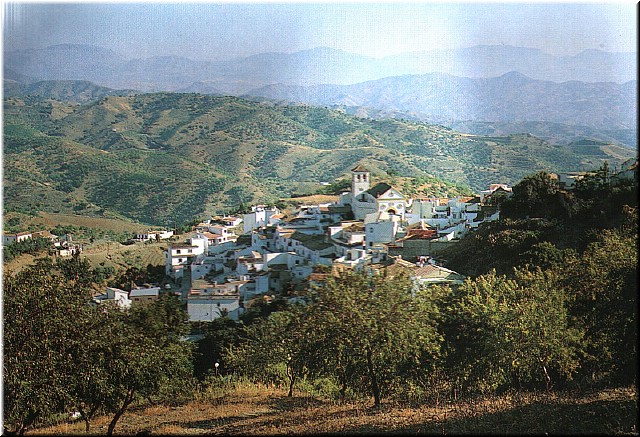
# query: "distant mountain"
554,133
489,61
66,62
512,97
311,67
174,156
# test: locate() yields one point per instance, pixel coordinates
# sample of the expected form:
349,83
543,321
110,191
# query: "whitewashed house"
178,256
8,238
119,297
381,232
260,216
154,235
209,301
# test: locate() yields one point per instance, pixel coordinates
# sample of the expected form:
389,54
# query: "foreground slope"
260,411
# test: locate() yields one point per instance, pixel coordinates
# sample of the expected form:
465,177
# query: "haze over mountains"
500,87
311,67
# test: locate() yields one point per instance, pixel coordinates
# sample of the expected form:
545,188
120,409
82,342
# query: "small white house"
8,238
154,235
115,295
179,255
259,216
205,304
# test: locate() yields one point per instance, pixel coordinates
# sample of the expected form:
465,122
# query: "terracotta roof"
359,168
355,227
420,225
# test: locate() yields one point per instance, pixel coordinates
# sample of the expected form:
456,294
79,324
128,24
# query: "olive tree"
365,328
44,315
271,348
502,331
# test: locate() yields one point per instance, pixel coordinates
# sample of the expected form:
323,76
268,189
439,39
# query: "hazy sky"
226,30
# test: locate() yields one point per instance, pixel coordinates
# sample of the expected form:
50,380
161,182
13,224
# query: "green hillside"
165,157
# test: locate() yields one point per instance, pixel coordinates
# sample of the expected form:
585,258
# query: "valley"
206,155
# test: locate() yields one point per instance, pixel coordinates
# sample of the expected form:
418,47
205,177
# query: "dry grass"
112,254
50,220
268,411
314,199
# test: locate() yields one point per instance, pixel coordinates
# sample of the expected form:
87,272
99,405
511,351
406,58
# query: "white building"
8,238
179,255
209,301
119,297
260,216
154,235
380,198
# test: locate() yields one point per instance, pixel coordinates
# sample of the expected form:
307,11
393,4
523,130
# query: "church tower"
360,180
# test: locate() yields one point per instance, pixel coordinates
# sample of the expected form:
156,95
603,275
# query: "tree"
44,314
219,334
271,348
140,367
366,328
603,282
500,332
91,390
536,195
163,320
61,353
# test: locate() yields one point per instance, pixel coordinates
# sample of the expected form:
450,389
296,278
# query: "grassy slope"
102,252
159,157
250,410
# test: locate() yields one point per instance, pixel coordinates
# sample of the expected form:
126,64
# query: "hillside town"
225,263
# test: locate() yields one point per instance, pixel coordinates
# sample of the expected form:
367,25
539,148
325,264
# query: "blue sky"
227,30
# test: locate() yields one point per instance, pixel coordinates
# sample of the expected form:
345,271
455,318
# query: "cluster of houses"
229,261
63,245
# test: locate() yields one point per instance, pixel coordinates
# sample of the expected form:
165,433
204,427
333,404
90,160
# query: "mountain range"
310,67
512,97
560,99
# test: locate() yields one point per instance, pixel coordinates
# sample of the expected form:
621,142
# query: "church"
373,203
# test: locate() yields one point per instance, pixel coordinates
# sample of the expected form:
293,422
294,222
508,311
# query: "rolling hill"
164,157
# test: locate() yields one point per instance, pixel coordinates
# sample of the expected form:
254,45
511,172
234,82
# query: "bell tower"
359,180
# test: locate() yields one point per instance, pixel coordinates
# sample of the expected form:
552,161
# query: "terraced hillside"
165,157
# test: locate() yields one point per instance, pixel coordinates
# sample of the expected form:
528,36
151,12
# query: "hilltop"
170,157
